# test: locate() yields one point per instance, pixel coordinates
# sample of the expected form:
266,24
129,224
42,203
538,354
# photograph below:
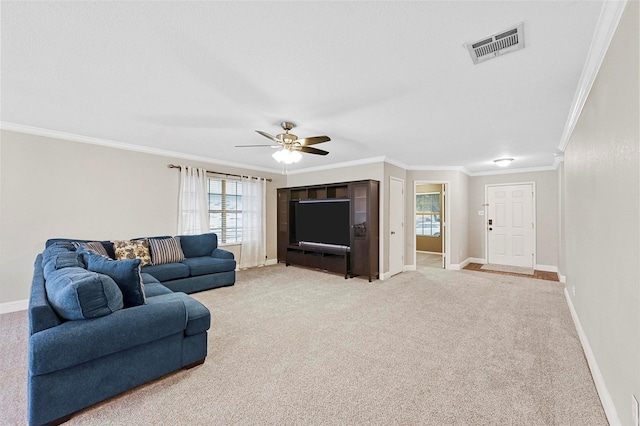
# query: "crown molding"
36,131
460,169
608,21
512,171
19,128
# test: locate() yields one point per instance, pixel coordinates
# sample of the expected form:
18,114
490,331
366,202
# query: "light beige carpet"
290,346
507,268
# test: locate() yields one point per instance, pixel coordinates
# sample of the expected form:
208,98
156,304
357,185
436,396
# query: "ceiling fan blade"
267,135
253,146
310,150
314,140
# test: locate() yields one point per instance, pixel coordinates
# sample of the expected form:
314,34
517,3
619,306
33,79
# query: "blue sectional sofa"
99,327
205,265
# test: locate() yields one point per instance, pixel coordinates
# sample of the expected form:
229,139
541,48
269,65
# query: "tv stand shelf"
332,259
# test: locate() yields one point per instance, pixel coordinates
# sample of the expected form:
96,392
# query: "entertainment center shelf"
332,227
325,258
328,192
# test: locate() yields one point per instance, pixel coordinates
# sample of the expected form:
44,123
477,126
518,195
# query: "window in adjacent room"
428,214
225,209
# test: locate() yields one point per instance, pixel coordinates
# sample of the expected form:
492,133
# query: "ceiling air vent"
498,44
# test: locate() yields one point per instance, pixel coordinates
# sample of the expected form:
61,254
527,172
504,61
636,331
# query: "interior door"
510,225
396,226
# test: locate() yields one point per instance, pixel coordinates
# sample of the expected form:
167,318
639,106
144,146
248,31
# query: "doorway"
510,227
430,223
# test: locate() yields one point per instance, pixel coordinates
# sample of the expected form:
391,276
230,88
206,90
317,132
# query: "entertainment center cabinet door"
365,228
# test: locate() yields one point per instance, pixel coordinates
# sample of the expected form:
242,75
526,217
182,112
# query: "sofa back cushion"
75,293
108,245
198,245
60,255
41,314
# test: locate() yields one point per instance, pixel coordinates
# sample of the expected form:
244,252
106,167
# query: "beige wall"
55,188
546,184
601,210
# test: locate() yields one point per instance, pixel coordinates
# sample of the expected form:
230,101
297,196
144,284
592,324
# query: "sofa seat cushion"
148,278
198,316
168,271
155,289
209,265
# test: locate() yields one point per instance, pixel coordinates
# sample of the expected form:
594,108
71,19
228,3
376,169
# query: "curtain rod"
173,166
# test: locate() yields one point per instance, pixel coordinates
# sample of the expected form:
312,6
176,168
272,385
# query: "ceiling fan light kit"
286,156
291,146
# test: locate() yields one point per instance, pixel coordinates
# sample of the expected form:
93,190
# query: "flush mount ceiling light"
503,162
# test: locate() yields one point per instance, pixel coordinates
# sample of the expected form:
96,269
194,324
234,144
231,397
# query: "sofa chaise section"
76,363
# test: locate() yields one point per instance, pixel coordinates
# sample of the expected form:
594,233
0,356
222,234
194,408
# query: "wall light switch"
480,212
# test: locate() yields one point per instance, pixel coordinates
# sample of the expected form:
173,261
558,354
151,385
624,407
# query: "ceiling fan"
291,145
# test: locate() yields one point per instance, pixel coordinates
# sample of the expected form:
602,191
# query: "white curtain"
254,244
193,202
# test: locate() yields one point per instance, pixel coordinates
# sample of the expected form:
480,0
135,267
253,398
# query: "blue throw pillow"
75,293
126,274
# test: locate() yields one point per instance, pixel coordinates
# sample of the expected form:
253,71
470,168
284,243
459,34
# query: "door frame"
446,241
533,218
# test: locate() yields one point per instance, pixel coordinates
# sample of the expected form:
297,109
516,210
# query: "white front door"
510,225
396,225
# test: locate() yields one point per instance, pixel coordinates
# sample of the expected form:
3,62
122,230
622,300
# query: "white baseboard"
605,397
271,262
409,268
477,260
562,278
546,268
458,266
18,305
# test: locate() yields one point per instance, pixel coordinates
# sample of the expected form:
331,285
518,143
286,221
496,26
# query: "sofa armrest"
75,342
222,254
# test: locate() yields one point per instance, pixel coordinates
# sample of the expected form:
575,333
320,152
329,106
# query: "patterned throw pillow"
138,249
93,245
165,250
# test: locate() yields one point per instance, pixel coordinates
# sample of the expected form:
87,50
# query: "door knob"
490,229
393,232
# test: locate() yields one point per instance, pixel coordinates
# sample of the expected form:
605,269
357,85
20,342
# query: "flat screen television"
325,221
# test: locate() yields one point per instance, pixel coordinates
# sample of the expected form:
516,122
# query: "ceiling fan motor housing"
287,125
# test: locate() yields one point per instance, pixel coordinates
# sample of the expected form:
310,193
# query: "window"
428,214
225,209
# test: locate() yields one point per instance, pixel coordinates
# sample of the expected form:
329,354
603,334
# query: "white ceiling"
380,78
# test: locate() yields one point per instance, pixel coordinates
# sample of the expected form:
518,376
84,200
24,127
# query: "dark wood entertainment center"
361,256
